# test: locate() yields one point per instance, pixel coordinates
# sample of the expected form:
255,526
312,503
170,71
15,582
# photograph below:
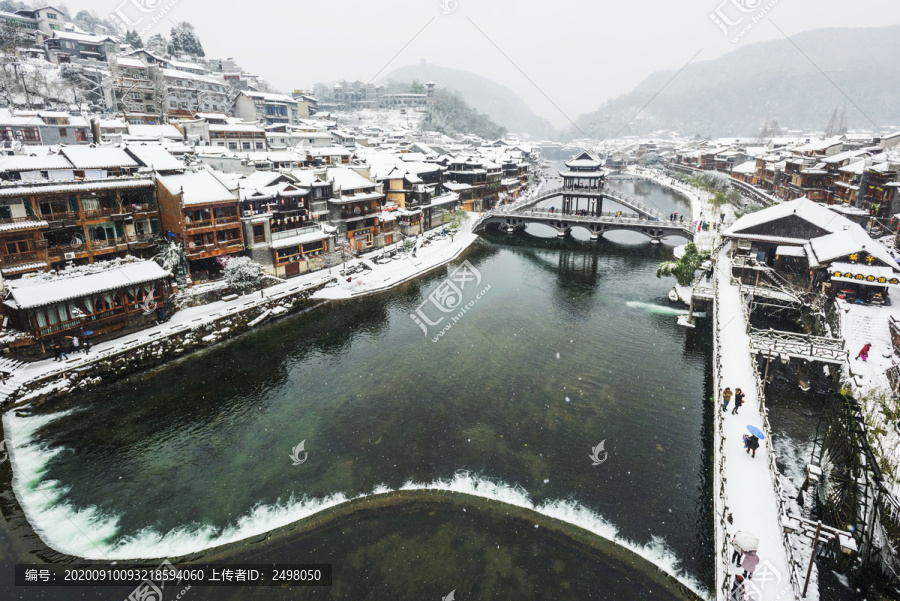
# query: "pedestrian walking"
76,344
738,400
864,352
738,552
752,443
737,589
726,396
751,560
87,345
60,351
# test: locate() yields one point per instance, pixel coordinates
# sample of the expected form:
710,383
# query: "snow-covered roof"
790,251
855,168
849,241
125,61
82,37
99,184
269,97
155,131
34,163
299,239
155,156
444,199
238,127
23,267
802,207
348,179
199,188
29,294
328,151
745,167
28,224
850,272
85,157
176,74
260,179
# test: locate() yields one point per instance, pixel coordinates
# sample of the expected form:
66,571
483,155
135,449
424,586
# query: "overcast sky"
577,53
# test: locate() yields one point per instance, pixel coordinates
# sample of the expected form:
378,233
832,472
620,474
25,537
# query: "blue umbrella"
756,432
88,332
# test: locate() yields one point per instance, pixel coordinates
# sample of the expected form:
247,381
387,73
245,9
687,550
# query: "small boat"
673,295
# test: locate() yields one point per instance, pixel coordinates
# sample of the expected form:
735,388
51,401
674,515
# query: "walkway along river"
573,345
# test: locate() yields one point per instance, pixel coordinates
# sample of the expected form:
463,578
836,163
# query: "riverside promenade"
746,488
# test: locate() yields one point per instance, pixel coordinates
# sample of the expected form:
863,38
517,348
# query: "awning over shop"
790,251
868,275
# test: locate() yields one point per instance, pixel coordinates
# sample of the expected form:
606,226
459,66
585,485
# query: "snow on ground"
860,325
186,317
439,250
748,482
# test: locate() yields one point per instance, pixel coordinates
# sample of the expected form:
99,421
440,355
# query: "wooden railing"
101,244
29,256
104,212
195,225
20,219
61,216
229,219
140,238
58,251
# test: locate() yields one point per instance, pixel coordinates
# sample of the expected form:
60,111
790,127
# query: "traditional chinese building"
584,179
101,298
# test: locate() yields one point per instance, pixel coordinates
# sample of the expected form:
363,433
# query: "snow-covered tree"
173,258
243,274
185,41
158,44
684,268
649,158
11,6
132,38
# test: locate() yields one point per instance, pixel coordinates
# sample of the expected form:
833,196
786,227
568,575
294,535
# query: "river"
566,344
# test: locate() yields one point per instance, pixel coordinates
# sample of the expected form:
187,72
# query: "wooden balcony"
22,220
60,216
212,223
101,213
139,209
31,256
59,251
204,251
106,244
141,240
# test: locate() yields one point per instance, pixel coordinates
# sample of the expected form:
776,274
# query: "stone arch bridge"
645,219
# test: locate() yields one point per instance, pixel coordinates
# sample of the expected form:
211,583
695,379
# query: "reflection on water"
553,360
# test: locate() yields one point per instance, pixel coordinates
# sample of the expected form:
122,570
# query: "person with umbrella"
752,443
743,542
751,560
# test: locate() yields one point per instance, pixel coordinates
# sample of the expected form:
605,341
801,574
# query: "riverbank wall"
145,351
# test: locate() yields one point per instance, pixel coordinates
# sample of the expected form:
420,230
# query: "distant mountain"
500,103
736,93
